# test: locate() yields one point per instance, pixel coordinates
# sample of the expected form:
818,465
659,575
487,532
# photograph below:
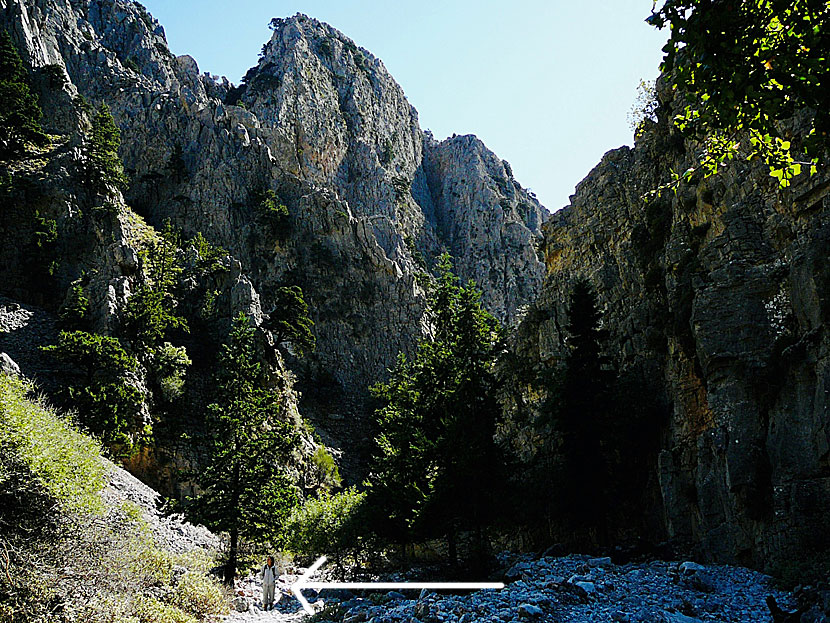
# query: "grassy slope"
64,554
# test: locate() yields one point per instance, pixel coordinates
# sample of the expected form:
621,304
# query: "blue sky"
546,84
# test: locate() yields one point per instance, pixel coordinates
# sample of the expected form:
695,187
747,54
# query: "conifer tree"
246,491
104,167
290,321
579,405
19,110
436,468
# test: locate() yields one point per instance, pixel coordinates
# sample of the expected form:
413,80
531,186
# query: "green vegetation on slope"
65,463
67,556
19,109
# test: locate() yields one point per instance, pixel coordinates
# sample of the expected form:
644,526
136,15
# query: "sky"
546,84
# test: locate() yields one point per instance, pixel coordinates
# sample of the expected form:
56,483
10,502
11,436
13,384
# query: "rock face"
715,298
322,123
318,122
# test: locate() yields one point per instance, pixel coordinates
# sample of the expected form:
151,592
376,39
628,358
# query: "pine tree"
579,406
436,466
290,321
246,491
104,167
19,110
151,310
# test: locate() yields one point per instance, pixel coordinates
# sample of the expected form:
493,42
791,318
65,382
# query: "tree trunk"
233,554
452,549
230,565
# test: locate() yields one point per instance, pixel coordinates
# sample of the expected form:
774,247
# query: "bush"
171,363
199,595
75,310
55,75
130,64
151,610
206,256
289,320
330,524
327,473
331,612
270,211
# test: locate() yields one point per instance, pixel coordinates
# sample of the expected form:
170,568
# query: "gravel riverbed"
570,589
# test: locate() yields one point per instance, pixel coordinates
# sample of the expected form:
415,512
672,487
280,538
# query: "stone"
689,568
8,365
241,604
604,561
588,587
677,617
529,611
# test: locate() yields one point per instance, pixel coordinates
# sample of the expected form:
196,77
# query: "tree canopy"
743,66
436,466
19,109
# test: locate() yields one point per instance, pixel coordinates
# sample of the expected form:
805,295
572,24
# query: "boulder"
8,365
241,604
529,611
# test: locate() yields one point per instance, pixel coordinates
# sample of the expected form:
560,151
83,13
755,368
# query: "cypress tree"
246,491
579,407
19,109
436,468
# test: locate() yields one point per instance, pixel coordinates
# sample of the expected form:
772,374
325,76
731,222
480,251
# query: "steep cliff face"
320,122
717,299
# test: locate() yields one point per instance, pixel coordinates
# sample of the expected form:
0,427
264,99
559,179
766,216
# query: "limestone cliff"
371,199
322,123
715,298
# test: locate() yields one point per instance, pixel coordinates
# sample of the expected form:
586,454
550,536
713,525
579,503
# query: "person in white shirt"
269,580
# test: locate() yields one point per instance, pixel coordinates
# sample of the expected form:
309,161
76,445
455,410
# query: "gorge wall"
716,301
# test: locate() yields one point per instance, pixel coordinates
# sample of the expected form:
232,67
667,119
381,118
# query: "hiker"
269,579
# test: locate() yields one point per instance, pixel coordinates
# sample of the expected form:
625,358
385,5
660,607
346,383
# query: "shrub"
199,595
331,612
330,523
171,363
130,64
176,164
206,256
644,108
327,473
270,211
151,610
75,310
